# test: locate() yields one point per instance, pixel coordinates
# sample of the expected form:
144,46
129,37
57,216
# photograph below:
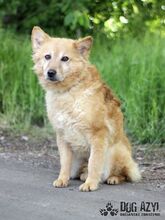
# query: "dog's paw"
88,186
113,180
60,183
103,212
109,206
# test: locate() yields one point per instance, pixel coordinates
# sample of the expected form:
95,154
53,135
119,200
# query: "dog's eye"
65,58
47,56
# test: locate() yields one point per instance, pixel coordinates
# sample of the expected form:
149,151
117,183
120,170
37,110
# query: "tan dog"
84,113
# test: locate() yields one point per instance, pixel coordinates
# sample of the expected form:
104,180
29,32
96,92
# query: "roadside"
26,193
29,164
41,151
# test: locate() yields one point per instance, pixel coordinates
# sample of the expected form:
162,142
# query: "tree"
83,16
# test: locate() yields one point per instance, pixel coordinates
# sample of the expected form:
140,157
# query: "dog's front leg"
96,161
65,161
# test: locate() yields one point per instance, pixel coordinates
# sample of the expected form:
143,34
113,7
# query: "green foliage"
133,68
21,99
84,16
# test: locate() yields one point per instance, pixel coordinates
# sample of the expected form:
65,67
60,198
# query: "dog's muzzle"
52,75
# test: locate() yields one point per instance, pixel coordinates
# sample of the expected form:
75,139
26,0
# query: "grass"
134,69
21,98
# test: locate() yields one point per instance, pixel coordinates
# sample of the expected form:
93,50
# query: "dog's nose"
51,74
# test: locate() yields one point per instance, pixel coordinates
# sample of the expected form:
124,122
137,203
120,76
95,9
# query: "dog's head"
59,62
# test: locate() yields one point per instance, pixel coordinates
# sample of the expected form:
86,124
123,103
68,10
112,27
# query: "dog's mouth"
53,79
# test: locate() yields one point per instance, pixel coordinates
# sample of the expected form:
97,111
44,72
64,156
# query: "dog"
84,113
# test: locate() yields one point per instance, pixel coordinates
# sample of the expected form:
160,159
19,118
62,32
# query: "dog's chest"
66,114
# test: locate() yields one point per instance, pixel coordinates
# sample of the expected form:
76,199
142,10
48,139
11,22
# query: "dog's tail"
133,172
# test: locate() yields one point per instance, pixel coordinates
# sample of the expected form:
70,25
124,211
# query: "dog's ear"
38,36
84,45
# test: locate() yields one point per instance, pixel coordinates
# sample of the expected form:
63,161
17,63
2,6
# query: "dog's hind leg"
84,172
123,165
77,163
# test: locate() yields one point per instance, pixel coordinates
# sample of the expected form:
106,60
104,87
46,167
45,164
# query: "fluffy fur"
84,113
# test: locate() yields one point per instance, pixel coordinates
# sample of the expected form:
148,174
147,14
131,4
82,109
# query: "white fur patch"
62,118
110,125
134,173
76,165
107,165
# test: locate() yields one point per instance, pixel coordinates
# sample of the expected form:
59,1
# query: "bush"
84,16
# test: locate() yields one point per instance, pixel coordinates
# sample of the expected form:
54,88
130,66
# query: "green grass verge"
134,69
